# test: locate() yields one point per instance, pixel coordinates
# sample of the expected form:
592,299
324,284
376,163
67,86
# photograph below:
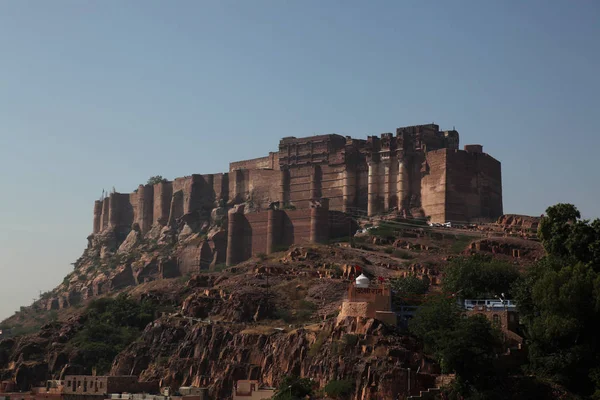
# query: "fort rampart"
419,171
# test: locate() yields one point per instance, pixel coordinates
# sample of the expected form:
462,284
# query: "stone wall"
269,231
162,203
251,234
417,171
300,183
433,186
461,186
378,296
163,193
269,162
473,185
356,309
263,188
331,182
195,257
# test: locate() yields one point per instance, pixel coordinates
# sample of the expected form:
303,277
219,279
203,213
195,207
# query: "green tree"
559,306
406,289
565,235
479,276
469,349
461,345
434,319
153,180
109,326
293,388
559,302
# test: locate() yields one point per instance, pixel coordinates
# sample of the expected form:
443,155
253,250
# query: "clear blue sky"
96,94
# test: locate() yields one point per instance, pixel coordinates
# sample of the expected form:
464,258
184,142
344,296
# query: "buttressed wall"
163,203
418,171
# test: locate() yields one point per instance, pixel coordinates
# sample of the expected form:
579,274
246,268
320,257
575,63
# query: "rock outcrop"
180,352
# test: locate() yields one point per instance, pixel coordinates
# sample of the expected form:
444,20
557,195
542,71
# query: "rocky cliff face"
519,221
261,319
120,257
214,355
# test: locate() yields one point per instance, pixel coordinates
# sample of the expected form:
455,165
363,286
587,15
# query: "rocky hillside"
187,320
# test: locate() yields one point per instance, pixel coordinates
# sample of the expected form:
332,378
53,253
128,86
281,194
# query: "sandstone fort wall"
418,171
269,162
163,203
433,187
474,186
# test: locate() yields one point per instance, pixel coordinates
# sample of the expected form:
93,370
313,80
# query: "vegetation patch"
460,243
338,389
110,326
318,344
402,254
479,276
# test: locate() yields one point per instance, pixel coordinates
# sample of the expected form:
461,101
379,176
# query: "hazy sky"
96,94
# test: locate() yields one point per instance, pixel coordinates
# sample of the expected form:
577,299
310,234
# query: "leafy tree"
559,306
407,288
434,319
469,349
559,302
465,346
155,179
110,325
565,235
293,388
479,276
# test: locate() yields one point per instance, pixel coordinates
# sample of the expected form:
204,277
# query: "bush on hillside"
109,326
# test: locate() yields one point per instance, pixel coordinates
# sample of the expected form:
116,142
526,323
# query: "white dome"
362,281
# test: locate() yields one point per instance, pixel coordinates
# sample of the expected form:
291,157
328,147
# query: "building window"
496,319
85,386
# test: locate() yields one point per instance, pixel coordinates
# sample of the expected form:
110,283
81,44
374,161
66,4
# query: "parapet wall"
269,162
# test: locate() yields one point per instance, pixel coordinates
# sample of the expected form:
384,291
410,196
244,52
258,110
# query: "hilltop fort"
418,172
294,251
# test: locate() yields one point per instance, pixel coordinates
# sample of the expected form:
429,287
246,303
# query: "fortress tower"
418,171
